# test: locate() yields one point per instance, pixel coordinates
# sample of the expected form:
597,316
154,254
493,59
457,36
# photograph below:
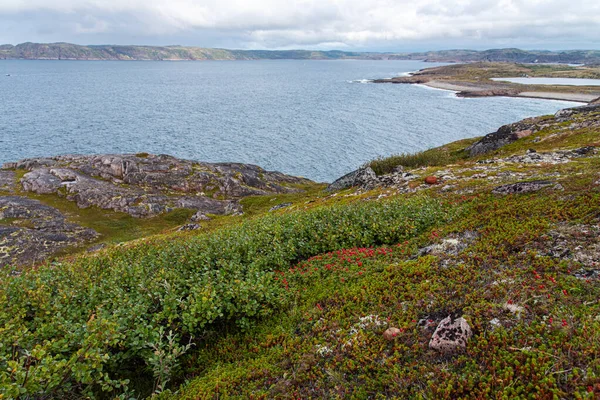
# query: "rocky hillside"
469,271
142,186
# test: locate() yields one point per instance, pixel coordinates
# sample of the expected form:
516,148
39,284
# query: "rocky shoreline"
476,82
142,185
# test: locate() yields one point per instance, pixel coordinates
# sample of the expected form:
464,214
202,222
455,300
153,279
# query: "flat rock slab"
145,185
31,231
525,187
7,181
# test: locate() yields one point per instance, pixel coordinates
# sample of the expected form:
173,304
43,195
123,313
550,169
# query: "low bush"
84,327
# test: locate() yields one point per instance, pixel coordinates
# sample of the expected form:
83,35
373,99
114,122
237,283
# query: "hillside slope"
296,302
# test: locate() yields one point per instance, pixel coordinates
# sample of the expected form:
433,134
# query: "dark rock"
7,180
583,151
524,187
568,113
280,206
189,227
364,178
36,231
505,135
451,335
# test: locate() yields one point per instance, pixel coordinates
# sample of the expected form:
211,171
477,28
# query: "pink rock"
522,134
391,333
451,336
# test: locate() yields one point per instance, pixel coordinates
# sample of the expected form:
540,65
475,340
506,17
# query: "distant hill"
68,51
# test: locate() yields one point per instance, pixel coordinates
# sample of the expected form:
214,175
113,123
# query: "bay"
309,118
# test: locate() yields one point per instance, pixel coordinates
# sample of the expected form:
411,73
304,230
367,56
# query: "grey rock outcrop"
505,135
525,187
512,132
363,177
145,185
7,181
568,113
280,206
31,231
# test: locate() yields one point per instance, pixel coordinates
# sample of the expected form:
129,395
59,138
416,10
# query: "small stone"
96,247
391,333
431,180
200,216
280,206
451,336
189,227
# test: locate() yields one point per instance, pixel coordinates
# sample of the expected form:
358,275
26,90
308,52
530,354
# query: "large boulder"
363,177
505,135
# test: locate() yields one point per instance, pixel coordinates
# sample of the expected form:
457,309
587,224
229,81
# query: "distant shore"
474,80
468,92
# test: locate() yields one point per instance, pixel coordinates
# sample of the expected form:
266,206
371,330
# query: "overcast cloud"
316,24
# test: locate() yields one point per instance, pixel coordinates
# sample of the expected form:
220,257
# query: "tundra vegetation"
293,303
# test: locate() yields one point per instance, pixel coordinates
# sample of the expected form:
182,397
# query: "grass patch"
439,156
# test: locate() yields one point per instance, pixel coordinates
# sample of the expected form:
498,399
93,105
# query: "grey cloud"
377,24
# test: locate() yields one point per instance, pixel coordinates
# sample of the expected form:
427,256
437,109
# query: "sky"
358,25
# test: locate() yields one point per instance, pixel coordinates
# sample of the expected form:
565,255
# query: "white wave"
361,81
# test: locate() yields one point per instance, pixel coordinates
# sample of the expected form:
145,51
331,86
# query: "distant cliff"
67,51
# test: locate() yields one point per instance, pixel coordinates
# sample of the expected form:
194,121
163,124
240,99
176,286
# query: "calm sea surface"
309,118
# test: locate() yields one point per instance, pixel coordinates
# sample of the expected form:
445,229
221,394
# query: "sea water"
318,119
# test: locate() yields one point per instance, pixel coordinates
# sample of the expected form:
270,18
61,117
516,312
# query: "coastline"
476,80
468,91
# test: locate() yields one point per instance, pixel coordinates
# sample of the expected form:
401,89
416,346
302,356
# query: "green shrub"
83,327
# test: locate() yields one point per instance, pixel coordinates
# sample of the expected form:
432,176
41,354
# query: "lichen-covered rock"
363,177
525,187
503,136
145,185
32,231
451,335
189,227
280,206
7,181
568,113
